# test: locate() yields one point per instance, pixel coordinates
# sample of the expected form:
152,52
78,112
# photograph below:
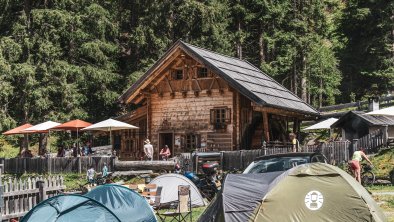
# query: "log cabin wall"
188,120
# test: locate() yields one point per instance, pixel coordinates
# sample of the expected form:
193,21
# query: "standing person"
105,170
148,150
61,152
90,175
355,165
90,150
76,151
165,153
295,144
85,150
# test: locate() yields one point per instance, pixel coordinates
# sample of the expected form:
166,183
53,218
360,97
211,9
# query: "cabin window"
202,72
192,142
220,117
177,74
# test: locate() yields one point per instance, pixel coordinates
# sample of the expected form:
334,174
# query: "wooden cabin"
354,125
195,98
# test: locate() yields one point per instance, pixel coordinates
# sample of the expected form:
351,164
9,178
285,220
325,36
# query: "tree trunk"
295,77
144,165
321,93
304,87
261,47
239,41
42,144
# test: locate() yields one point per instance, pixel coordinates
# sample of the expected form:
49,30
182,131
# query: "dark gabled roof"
368,119
242,76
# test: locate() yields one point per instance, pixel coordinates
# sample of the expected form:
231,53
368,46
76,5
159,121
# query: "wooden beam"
169,84
198,84
276,111
266,127
213,82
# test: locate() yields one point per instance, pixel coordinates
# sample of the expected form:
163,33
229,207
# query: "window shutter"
228,115
212,111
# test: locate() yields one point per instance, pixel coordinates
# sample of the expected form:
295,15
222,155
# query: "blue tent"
126,204
64,208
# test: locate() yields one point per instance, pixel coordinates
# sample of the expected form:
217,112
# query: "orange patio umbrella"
73,125
18,130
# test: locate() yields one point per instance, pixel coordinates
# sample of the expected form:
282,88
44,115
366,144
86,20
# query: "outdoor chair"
183,210
150,187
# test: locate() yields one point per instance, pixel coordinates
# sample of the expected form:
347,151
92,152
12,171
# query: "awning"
326,124
382,112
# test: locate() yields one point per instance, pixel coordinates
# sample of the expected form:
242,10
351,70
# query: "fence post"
240,159
79,165
264,147
385,135
222,159
354,146
42,187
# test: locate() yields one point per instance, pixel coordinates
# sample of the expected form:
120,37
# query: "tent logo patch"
314,200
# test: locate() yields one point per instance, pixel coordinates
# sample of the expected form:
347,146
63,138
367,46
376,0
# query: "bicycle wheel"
367,178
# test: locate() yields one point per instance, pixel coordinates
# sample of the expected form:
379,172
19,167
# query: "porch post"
266,127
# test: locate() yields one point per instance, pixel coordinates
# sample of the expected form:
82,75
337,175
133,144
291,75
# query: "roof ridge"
211,51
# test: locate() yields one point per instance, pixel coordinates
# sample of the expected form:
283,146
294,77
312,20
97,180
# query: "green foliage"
383,163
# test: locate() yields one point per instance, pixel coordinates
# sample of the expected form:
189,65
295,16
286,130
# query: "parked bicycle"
367,176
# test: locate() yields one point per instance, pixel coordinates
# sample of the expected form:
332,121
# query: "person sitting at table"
165,153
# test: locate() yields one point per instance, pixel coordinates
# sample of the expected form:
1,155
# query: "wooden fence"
20,196
55,165
336,152
371,142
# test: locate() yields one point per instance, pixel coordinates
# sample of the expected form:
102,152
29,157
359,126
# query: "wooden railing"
20,196
55,165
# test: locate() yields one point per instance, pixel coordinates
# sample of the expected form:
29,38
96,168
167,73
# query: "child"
105,170
90,175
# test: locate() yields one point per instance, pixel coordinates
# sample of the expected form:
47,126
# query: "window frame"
176,73
201,75
220,117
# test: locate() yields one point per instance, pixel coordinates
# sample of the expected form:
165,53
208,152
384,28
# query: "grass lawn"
196,212
384,196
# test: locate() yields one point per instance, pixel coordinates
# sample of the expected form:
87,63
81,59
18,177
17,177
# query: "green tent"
126,204
65,208
309,192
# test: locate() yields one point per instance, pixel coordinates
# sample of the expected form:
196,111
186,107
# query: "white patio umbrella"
42,128
326,124
109,125
382,112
